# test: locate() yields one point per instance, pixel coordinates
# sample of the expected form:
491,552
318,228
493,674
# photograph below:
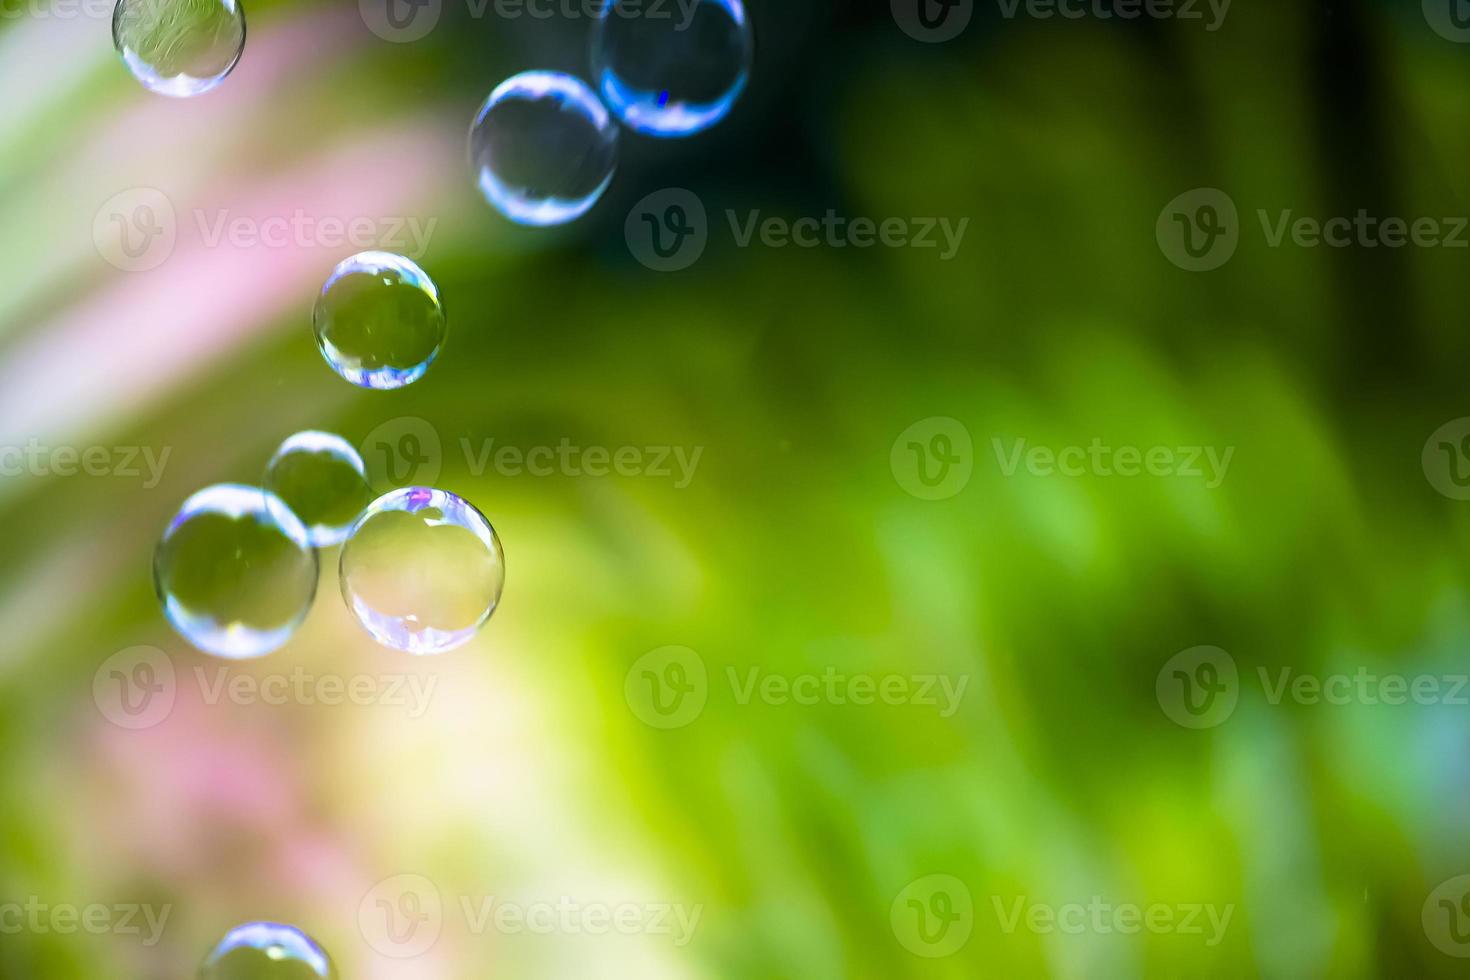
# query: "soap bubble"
235,572
322,480
543,148
267,951
673,75
378,321
422,570
180,48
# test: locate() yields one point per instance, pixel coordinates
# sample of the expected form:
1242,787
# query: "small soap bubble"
322,480
179,48
675,74
378,321
235,572
422,570
267,951
542,148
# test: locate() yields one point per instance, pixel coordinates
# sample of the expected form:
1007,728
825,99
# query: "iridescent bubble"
267,951
378,321
422,570
672,72
320,478
180,48
235,573
543,148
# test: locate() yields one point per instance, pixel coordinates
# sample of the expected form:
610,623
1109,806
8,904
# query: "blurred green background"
804,836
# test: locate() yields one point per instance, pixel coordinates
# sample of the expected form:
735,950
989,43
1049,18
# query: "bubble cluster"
267,951
321,479
422,570
179,48
542,148
235,571
672,75
378,321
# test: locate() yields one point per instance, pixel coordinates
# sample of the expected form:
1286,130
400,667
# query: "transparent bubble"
379,322
320,478
543,148
267,951
672,71
235,573
180,48
422,570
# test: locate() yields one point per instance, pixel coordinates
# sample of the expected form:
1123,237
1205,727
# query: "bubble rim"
315,441
679,119
181,86
203,632
376,262
260,935
549,211
388,630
